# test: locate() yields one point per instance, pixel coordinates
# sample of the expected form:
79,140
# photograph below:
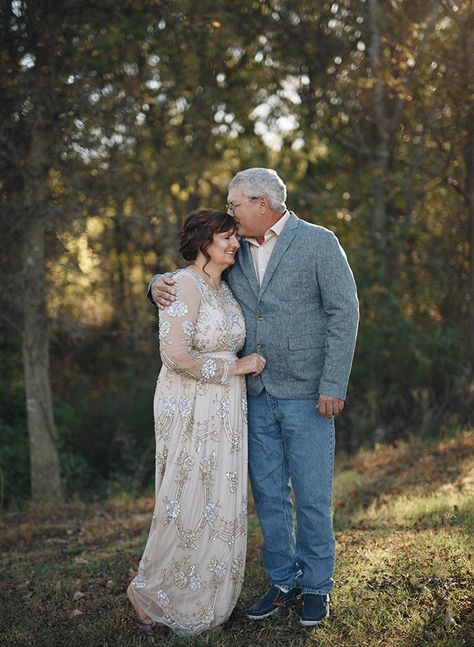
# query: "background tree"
39,40
117,120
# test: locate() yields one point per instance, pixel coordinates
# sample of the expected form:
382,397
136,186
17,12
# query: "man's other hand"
329,406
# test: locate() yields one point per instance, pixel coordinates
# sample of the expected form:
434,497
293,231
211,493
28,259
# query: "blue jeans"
289,440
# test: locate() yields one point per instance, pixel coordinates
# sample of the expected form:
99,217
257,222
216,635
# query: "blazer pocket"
309,340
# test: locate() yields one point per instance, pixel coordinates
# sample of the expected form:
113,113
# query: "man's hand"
163,292
329,406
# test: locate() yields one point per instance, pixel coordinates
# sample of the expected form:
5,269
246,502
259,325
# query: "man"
299,300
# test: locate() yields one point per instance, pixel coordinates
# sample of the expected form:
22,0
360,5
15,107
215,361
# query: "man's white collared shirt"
261,252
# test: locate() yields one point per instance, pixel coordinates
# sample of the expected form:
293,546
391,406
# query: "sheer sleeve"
177,331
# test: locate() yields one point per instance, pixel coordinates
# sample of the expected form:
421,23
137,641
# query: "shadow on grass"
374,480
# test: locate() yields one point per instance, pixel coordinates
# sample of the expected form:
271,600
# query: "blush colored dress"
191,572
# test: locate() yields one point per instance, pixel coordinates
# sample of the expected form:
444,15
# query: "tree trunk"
44,459
381,135
469,160
471,240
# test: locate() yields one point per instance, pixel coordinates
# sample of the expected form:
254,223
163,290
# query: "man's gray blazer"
303,318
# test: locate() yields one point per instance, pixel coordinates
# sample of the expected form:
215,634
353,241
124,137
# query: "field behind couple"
404,520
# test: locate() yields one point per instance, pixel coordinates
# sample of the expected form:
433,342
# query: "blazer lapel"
284,239
248,268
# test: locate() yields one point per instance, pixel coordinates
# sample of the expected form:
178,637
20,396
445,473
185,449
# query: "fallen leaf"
109,584
77,596
449,621
81,560
75,613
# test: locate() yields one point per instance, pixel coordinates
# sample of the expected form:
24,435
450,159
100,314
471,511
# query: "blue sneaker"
271,602
315,609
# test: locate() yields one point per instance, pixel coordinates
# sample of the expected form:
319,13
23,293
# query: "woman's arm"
177,331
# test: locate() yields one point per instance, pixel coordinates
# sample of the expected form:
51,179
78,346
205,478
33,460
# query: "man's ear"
264,204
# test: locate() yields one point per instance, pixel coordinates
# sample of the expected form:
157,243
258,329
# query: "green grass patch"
404,526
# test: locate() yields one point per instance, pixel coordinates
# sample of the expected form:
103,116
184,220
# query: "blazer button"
260,317
259,346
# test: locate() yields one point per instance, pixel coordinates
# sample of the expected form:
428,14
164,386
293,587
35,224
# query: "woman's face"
223,248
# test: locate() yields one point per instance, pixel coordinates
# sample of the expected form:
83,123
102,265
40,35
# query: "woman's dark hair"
198,229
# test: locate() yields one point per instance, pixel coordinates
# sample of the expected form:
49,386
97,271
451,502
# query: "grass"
404,519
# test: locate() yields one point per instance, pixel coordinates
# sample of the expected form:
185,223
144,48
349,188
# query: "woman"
192,568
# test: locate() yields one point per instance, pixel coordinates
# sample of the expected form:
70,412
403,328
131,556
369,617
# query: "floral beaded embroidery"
177,309
161,458
168,407
185,406
140,581
210,513
195,582
189,328
173,508
233,481
219,568
165,329
207,464
223,406
244,506
208,369
162,598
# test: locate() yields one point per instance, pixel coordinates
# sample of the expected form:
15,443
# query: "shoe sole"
270,613
313,623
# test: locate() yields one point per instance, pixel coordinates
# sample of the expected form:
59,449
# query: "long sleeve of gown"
178,325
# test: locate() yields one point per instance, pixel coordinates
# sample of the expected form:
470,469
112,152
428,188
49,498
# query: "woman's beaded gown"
192,567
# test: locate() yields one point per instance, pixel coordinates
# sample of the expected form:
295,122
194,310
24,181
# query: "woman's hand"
163,291
253,364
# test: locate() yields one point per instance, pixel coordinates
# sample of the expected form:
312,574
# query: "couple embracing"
260,361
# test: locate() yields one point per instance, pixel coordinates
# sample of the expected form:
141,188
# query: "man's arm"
161,291
339,298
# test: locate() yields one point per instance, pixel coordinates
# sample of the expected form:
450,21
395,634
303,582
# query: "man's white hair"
262,181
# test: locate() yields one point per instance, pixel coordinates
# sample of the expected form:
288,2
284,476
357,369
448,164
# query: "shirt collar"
274,230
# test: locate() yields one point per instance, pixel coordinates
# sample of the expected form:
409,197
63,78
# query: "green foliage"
14,455
105,420
14,466
407,377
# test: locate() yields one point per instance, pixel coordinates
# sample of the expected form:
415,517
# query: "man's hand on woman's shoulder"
163,291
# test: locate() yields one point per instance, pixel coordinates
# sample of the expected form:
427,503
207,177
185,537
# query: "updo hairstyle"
198,229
